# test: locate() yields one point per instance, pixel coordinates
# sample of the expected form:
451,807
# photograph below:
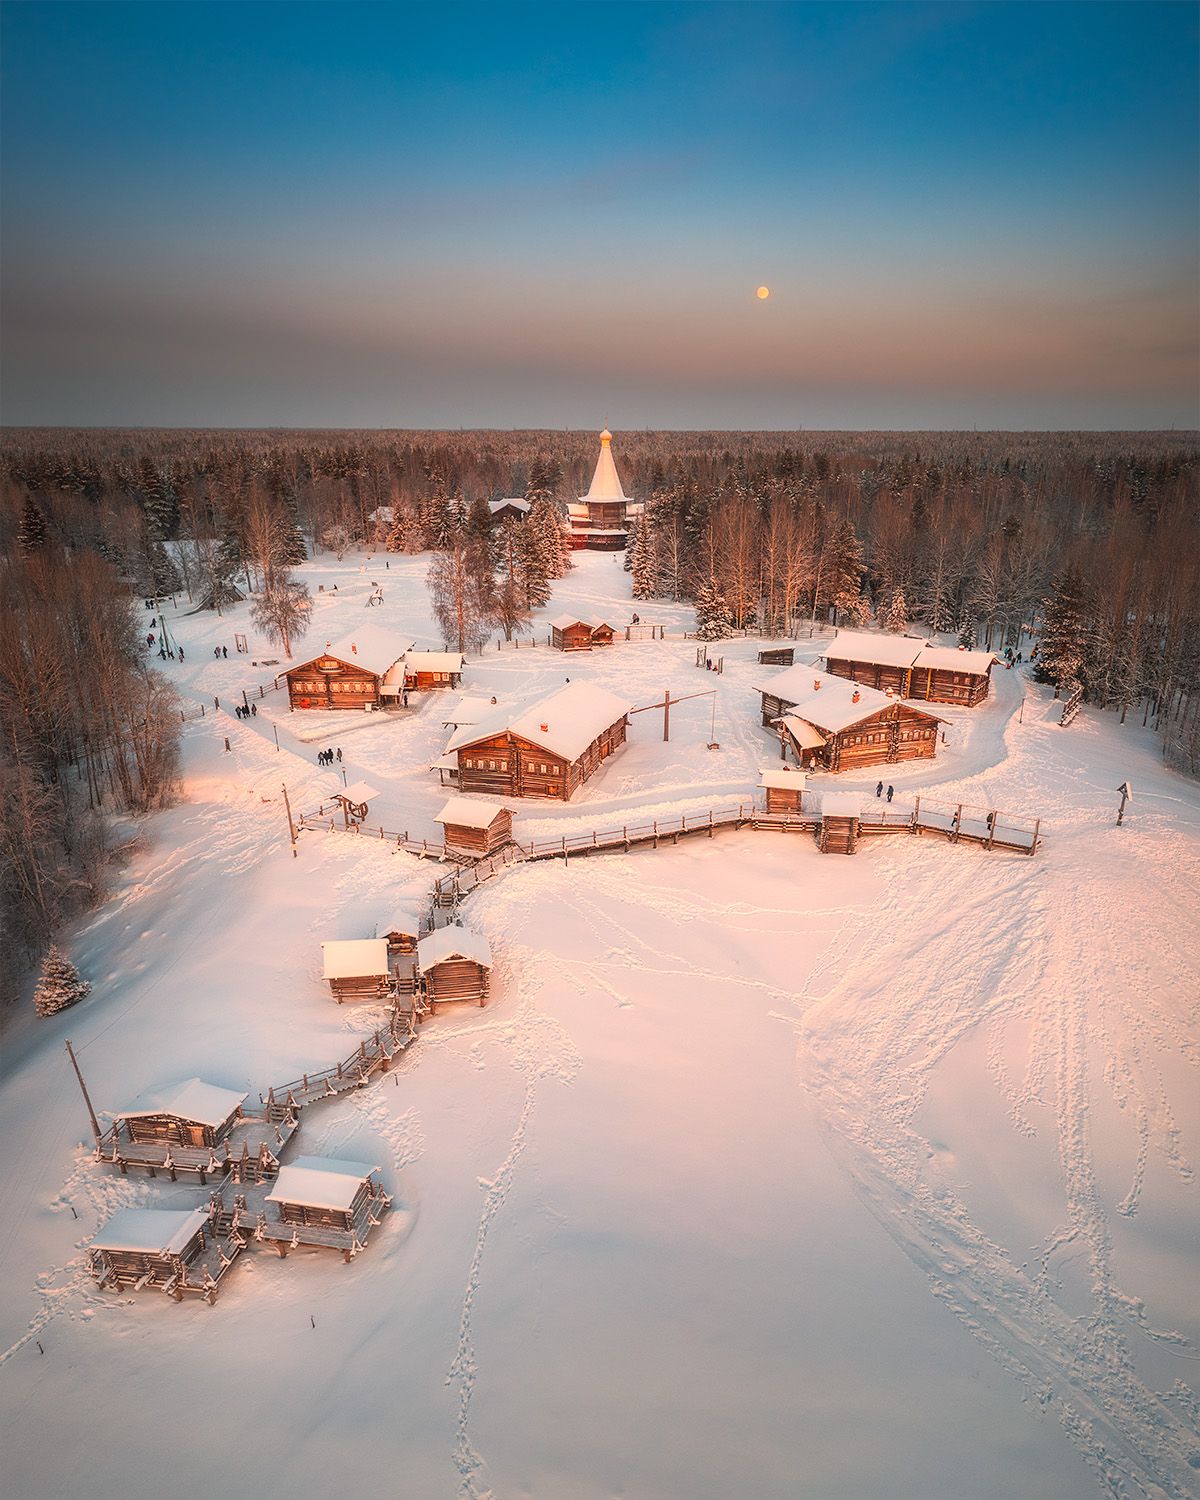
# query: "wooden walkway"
374,1054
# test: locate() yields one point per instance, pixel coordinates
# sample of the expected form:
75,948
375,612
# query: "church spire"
606,483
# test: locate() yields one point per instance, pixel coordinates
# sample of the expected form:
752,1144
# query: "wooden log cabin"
840,817
323,1200
357,969
783,791
570,634
192,1113
141,1247
832,724
349,673
511,509
432,669
401,932
547,750
455,964
475,827
912,668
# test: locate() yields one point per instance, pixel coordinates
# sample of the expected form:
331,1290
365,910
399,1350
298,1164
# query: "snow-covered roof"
803,733
453,942
320,1182
445,763
825,701
356,792
605,485
841,805
355,958
402,921
370,647
434,661
876,647
495,506
789,780
572,717
469,813
564,622
151,1231
193,1099
955,659
466,711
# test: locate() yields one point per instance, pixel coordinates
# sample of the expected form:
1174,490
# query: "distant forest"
1092,540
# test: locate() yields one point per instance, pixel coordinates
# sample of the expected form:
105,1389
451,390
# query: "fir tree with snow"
59,984
966,632
1063,646
714,618
32,535
895,615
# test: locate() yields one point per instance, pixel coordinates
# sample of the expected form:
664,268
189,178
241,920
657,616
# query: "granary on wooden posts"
910,667
357,968
600,519
475,827
454,963
546,750
840,816
401,931
432,669
192,1113
568,633
321,1200
148,1247
834,725
349,673
511,509
783,790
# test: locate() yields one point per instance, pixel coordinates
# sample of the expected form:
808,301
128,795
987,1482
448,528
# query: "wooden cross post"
1126,792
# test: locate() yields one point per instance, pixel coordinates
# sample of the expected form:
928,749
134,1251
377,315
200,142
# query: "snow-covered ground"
765,1173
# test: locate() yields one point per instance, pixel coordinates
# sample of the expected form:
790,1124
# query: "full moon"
763,293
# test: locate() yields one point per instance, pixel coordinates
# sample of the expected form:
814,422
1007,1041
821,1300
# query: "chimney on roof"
888,693
816,684
856,697
353,648
545,729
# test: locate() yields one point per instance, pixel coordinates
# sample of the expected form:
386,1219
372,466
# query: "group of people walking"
327,757
246,711
890,791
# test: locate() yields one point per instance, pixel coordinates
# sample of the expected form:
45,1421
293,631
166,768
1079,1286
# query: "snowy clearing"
763,1173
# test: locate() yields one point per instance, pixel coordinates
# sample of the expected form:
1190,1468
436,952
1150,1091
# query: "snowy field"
764,1174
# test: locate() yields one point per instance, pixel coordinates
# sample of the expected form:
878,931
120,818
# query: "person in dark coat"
254,710
879,790
891,790
181,653
225,652
339,755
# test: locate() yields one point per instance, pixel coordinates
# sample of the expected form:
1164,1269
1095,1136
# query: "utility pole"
291,825
276,729
1126,792
86,1097
667,715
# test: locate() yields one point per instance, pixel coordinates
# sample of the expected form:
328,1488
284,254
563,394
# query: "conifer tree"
895,616
59,984
1062,649
966,631
714,618
33,534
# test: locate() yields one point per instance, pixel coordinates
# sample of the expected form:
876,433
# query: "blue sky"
527,215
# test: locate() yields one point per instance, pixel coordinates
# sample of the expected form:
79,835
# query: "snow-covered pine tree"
643,558
858,610
32,535
59,984
400,532
966,631
714,618
1063,646
895,614
843,564
546,523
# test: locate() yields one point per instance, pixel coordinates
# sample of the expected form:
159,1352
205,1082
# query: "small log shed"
783,790
568,633
455,964
147,1246
472,826
840,815
323,1200
192,1113
357,968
